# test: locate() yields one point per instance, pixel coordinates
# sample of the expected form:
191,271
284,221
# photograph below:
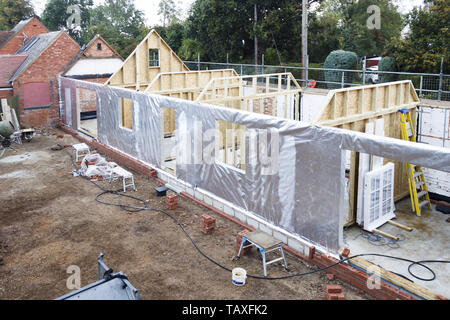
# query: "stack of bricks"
239,240
96,177
89,163
334,292
153,173
172,201
268,106
208,224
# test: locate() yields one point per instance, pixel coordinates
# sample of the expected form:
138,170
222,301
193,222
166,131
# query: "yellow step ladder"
416,178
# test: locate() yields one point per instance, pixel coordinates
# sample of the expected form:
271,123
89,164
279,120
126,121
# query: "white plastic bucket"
239,277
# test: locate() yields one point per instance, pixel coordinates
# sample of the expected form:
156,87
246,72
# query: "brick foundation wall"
267,103
344,272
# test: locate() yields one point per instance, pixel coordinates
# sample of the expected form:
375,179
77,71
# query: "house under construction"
313,175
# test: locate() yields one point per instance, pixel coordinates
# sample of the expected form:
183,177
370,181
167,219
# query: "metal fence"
428,85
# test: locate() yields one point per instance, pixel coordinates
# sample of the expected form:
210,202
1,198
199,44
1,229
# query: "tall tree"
228,26
119,22
13,11
168,10
221,27
427,40
366,26
324,36
64,14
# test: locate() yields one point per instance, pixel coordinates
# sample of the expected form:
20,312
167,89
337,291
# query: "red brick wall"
46,68
96,80
88,98
6,94
92,51
32,28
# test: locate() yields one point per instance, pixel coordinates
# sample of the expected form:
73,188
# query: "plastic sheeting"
98,166
296,182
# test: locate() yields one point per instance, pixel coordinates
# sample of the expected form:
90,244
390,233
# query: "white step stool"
81,150
265,243
119,172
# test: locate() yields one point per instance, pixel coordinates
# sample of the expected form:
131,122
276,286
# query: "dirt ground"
49,220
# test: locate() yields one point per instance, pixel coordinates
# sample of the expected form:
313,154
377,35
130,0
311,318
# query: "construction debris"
334,292
172,201
95,166
244,251
208,224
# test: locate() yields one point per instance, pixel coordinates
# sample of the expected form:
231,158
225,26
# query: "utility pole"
256,38
305,41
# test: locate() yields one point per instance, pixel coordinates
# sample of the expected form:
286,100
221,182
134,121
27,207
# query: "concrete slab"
430,240
90,126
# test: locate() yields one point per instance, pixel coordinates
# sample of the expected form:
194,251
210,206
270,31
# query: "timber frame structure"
155,69
353,108
272,94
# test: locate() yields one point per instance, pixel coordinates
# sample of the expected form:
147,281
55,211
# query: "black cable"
133,209
379,241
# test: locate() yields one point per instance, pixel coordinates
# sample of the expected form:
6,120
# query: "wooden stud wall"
136,73
187,84
353,108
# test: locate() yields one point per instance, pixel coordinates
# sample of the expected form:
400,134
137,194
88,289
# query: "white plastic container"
239,277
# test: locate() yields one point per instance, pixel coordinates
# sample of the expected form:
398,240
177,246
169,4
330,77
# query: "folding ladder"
416,178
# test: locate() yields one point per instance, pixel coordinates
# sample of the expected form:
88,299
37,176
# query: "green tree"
323,36
190,49
221,27
228,26
387,64
13,11
119,22
174,34
427,40
168,10
357,29
57,13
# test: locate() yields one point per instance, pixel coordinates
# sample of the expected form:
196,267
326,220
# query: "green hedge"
340,59
387,64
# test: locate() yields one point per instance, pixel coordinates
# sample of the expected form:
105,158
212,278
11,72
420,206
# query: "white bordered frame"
379,197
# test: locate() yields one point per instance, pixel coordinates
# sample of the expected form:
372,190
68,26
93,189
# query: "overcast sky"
150,7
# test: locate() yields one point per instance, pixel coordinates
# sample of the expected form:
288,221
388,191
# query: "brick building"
9,63
11,41
96,63
35,82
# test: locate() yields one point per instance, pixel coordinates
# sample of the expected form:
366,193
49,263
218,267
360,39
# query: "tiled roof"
33,49
8,65
14,31
21,25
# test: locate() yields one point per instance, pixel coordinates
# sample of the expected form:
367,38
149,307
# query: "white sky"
150,7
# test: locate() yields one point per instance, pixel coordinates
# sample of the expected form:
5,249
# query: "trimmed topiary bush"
339,59
387,64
